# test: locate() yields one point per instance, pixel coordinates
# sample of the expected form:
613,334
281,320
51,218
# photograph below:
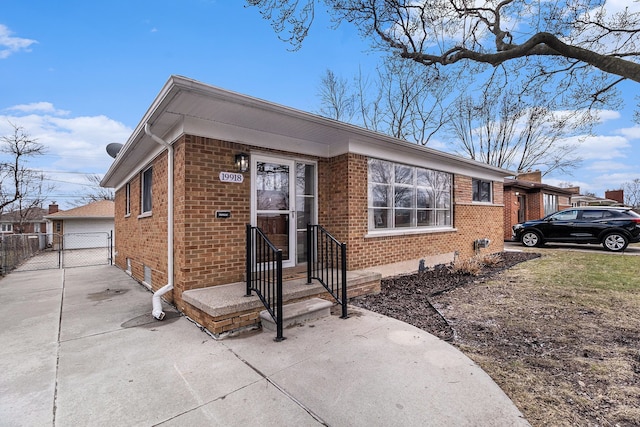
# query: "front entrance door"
282,190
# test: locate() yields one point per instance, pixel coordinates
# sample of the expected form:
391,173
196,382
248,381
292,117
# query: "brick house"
527,198
25,221
176,179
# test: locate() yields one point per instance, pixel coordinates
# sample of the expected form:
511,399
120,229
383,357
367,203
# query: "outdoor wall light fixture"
242,162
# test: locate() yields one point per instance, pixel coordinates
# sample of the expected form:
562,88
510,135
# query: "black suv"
614,227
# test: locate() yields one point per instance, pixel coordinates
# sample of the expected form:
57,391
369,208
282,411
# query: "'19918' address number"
231,177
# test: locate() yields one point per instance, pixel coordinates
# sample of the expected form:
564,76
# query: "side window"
589,215
481,190
127,195
565,215
147,184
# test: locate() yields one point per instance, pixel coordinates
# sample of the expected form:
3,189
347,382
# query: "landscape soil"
561,363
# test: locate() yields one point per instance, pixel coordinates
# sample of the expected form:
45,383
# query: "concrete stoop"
224,309
298,313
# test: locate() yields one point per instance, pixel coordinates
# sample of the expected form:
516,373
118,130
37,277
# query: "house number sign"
231,177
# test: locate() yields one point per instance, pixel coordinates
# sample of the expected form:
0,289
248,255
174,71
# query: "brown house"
527,198
23,221
205,162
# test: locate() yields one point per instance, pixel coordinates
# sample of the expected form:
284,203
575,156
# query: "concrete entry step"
297,313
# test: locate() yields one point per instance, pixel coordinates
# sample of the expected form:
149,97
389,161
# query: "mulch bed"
409,298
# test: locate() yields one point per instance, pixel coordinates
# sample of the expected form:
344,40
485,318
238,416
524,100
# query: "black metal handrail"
264,274
327,263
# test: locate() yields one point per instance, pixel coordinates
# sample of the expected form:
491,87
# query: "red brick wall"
470,220
144,239
210,251
510,212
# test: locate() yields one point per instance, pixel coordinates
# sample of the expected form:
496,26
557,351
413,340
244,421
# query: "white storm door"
273,203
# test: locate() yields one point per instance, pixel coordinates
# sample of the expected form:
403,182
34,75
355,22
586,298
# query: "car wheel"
531,239
615,242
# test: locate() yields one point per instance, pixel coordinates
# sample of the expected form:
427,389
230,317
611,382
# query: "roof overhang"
188,107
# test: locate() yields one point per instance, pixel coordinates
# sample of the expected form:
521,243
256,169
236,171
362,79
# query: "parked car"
613,227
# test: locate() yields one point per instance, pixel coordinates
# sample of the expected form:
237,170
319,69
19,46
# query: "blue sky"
78,75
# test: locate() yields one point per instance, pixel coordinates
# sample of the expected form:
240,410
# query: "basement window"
147,275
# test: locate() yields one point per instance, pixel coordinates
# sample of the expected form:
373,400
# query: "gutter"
156,300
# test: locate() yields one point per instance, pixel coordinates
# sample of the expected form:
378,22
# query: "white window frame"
442,214
127,195
144,195
550,203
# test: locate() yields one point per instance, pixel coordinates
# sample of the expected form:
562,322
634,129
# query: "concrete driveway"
80,348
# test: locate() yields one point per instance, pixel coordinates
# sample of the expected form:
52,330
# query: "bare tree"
95,192
505,130
632,193
34,191
336,100
398,100
583,48
17,182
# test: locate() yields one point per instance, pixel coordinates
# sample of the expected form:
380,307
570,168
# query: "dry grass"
475,265
560,335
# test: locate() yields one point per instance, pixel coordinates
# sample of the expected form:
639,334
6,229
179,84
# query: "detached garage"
88,226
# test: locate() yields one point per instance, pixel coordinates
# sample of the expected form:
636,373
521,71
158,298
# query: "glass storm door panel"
274,211
305,206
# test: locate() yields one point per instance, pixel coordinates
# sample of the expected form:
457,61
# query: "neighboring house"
83,227
611,198
23,222
393,203
527,198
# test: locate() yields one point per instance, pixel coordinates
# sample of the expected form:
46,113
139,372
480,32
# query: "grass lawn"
560,334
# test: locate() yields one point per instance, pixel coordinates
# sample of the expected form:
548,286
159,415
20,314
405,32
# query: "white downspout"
156,300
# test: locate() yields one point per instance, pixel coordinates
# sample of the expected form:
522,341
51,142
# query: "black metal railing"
264,274
327,263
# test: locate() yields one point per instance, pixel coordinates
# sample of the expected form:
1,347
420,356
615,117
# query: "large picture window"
402,196
147,183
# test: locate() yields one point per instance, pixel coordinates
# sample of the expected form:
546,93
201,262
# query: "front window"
147,180
7,228
402,196
481,190
550,203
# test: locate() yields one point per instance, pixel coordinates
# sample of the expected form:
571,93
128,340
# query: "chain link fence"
26,252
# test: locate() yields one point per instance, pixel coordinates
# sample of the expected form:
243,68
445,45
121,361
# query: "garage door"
85,234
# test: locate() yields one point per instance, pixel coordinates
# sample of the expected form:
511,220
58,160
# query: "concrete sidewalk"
79,347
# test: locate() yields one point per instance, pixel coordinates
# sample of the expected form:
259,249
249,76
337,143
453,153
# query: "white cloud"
601,147
72,143
10,44
606,115
631,133
612,181
42,107
607,165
